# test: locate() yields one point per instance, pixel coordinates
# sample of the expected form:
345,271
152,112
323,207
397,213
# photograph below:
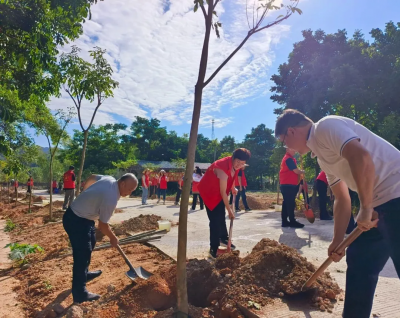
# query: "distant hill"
46,150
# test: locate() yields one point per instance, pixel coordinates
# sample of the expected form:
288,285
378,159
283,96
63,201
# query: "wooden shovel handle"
125,258
339,249
231,226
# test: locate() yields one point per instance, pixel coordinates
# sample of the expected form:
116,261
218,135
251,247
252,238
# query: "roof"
171,165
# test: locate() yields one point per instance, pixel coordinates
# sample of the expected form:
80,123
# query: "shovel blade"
131,275
142,273
309,215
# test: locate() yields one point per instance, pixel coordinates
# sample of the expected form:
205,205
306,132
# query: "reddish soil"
138,224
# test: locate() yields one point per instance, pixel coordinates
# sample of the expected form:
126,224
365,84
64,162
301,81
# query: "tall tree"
84,80
53,128
208,9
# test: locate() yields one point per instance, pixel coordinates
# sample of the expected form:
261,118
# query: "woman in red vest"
163,180
69,187
289,184
322,188
154,185
178,193
54,186
241,183
197,176
214,188
145,185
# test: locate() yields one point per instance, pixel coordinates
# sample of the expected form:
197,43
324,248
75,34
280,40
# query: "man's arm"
293,167
106,230
222,189
363,170
92,179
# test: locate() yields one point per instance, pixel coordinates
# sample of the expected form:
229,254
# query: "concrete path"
312,241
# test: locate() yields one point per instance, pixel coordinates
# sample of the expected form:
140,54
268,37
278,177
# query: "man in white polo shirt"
354,157
97,202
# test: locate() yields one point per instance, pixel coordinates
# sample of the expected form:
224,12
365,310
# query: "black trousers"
289,193
194,203
367,256
322,187
81,233
178,195
218,229
241,193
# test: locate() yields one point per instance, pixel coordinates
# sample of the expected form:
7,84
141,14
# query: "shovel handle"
339,249
125,258
231,225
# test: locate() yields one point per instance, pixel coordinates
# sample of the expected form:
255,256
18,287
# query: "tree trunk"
51,189
30,200
8,194
181,279
85,136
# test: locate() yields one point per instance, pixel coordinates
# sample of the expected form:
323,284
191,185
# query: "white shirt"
99,201
327,139
196,177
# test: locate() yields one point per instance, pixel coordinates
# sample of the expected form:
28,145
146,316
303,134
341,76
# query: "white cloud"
155,55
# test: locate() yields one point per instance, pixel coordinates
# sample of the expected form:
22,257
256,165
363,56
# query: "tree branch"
70,95
273,23
203,9
95,110
247,17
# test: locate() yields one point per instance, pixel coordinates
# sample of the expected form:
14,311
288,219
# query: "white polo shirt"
327,139
99,201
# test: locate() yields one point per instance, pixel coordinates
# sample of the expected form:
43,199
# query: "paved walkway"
312,241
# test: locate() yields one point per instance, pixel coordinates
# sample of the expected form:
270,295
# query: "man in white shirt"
97,202
354,157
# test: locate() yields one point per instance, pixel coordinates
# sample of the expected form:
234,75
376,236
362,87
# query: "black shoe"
248,210
285,224
93,275
212,253
296,225
225,243
238,210
86,296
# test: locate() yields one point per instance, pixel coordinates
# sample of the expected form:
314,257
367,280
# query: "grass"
47,285
10,225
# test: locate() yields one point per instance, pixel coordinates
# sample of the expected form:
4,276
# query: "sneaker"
238,210
192,209
212,253
225,243
85,296
248,210
285,224
93,275
175,203
296,225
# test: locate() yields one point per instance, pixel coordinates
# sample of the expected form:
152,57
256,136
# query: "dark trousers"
153,190
241,193
162,192
81,233
218,229
178,195
289,193
322,187
367,256
194,203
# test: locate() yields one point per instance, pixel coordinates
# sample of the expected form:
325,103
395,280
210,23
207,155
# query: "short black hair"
290,118
71,168
241,154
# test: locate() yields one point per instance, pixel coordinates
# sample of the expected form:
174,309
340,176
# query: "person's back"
100,196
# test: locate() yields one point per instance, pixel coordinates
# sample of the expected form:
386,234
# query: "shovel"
134,272
305,289
221,249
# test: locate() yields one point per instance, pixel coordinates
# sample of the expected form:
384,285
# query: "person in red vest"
145,185
322,187
154,185
69,187
289,185
214,188
30,185
197,176
16,185
241,182
178,194
163,180
54,186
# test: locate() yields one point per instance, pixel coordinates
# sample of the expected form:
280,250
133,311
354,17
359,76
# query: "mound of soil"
259,201
138,224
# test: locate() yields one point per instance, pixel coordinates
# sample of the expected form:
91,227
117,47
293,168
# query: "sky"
154,49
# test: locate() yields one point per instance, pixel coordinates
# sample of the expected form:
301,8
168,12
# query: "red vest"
30,182
244,181
15,184
163,182
287,176
154,181
147,180
68,182
209,185
54,184
322,177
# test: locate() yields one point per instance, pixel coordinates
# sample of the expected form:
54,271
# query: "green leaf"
215,13
298,10
257,306
219,24
196,7
280,16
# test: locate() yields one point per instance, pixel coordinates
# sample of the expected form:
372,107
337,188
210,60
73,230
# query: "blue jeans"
162,192
367,256
145,192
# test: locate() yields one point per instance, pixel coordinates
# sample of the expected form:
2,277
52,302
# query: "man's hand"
367,218
231,214
114,241
336,257
234,191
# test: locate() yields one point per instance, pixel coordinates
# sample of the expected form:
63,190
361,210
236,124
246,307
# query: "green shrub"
10,225
19,251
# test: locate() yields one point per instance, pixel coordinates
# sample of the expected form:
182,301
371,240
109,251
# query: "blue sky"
155,48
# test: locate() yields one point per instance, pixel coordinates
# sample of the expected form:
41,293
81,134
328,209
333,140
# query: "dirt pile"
259,200
138,224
